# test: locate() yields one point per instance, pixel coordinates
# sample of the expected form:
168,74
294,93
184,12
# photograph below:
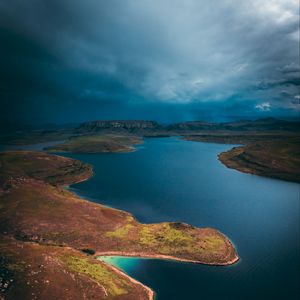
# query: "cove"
168,179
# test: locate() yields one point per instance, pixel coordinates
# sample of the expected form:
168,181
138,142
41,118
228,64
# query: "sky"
68,61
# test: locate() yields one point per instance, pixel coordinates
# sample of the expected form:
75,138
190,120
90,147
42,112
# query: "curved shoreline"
154,256
163,257
149,291
237,158
145,255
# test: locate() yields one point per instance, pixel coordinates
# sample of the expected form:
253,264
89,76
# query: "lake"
168,179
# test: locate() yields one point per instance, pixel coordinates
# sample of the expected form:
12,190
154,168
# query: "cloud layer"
105,57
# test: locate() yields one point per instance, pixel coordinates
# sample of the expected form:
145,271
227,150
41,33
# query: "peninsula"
50,237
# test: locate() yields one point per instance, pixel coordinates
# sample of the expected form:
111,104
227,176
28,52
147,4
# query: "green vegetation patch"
113,284
213,244
124,230
166,239
120,232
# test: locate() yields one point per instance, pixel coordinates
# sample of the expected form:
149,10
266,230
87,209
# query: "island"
50,237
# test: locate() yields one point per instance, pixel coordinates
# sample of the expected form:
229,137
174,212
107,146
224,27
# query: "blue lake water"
172,180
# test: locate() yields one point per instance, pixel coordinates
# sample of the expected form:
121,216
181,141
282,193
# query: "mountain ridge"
149,125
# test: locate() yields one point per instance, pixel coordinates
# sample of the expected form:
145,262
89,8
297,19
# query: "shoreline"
144,255
162,257
149,291
222,156
230,159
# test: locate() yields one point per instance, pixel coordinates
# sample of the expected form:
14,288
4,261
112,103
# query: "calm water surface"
172,180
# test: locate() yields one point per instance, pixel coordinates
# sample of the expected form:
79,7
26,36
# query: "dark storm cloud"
71,59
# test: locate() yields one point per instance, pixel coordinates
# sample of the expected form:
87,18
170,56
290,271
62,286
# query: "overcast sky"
169,60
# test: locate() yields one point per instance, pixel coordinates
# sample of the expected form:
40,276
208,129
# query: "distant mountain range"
265,124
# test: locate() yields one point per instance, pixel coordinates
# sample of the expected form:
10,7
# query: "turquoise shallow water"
172,180
125,263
